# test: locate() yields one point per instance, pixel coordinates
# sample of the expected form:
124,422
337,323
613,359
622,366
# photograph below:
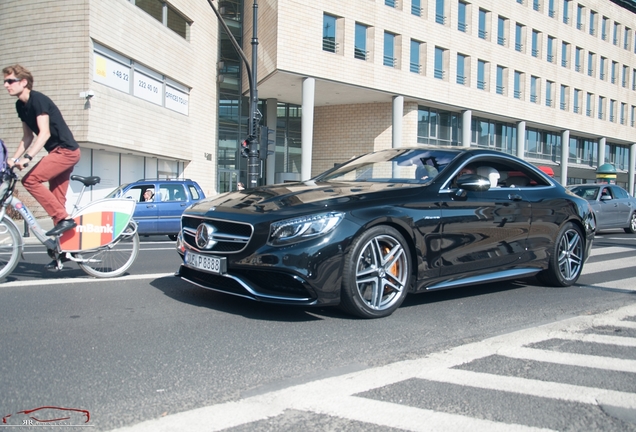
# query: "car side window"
172,192
137,192
194,193
619,192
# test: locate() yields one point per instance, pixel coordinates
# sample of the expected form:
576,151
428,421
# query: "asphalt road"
147,346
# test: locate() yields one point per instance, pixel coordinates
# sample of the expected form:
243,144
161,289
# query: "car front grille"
229,236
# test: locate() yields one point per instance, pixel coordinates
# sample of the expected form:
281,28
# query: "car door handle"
514,197
150,205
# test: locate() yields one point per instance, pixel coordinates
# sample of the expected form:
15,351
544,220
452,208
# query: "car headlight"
303,228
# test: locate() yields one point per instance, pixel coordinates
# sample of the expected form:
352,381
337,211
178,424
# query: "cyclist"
43,127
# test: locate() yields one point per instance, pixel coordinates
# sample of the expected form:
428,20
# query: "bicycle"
104,243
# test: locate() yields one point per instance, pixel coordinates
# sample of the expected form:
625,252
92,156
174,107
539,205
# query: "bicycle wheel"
9,248
113,259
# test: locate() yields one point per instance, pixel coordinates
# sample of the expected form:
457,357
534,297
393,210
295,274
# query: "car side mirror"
473,182
605,197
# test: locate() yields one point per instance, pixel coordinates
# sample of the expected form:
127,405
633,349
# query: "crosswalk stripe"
601,339
611,250
530,387
571,359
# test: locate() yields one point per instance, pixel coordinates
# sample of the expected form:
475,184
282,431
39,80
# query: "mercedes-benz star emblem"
204,236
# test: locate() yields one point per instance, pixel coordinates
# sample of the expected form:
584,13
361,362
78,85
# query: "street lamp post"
251,142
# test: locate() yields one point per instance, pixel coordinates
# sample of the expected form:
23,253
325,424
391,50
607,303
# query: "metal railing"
329,44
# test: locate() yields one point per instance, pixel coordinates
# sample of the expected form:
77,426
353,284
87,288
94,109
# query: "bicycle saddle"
87,181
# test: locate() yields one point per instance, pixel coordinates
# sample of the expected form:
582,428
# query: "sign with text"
111,73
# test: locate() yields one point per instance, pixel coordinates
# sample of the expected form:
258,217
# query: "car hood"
300,197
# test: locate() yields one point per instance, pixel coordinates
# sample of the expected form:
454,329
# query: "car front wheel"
566,259
631,229
377,273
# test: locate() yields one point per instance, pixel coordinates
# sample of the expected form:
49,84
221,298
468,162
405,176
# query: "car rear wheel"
172,237
631,229
377,273
566,259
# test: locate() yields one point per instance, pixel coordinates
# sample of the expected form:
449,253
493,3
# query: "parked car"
397,221
613,206
160,203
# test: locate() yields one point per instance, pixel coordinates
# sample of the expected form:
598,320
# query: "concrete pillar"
271,115
631,171
307,126
565,154
521,139
397,120
601,151
467,124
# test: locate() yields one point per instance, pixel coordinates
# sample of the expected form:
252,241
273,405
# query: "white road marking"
336,396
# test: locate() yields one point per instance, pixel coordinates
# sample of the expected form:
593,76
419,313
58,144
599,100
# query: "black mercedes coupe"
403,220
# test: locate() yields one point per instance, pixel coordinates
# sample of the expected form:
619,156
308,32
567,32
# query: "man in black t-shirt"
43,127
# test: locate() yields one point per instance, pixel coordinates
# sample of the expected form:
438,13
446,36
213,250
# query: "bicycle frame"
90,232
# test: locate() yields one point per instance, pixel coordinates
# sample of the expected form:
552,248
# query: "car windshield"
392,166
117,193
587,192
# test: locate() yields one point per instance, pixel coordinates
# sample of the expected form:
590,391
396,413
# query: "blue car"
160,203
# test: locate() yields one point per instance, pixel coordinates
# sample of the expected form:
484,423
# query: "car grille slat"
230,237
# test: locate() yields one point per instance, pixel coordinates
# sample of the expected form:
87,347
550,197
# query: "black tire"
378,259
631,229
566,258
172,237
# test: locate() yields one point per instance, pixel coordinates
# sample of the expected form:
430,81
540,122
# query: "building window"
482,75
534,89
519,36
542,145
565,54
582,150
502,29
536,43
549,95
416,8
593,18
440,12
589,105
329,33
501,80
438,127
551,49
614,72
590,64
604,28
462,17
577,101
415,66
601,108
389,50
627,38
566,11
360,43
483,24
536,5
580,17
166,15
518,85
551,10
493,135
633,79
564,98
440,60
625,77
616,33
602,68
391,3
623,112
632,120
612,111
462,69
578,59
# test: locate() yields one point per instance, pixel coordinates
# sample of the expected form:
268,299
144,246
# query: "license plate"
206,263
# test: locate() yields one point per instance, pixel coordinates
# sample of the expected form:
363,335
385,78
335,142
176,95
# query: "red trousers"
55,168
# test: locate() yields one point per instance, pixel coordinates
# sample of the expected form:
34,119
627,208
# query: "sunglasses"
11,80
